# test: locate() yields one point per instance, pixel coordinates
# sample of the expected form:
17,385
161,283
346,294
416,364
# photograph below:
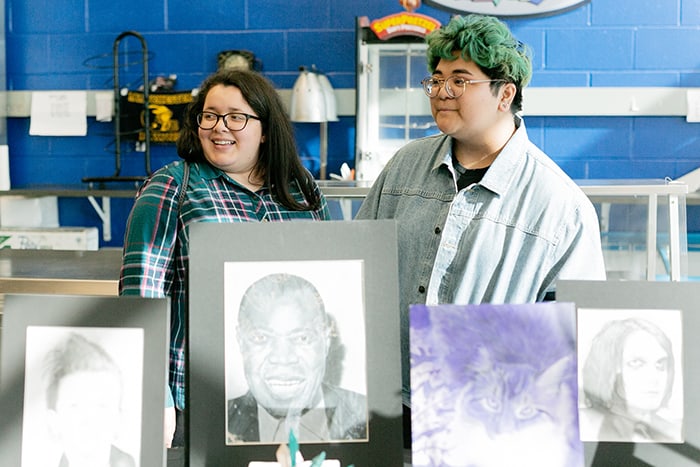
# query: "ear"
507,93
551,378
328,339
239,339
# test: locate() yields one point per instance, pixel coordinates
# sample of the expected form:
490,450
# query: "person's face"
467,117
284,352
644,372
86,416
234,152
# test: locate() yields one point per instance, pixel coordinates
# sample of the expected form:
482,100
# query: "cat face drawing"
507,397
492,384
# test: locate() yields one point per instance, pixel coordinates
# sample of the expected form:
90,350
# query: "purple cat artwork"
494,385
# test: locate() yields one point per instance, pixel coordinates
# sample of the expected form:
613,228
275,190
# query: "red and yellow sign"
403,24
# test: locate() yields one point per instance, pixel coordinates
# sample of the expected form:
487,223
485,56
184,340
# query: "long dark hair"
278,162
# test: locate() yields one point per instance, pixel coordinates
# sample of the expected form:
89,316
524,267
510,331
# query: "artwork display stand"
130,334
643,295
361,254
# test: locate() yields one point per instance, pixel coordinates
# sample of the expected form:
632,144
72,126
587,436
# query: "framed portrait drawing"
631,375
294,327
82,380
653,327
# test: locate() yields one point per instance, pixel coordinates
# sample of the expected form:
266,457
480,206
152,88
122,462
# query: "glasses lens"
431,86
235,121
232,121
454,86
207,120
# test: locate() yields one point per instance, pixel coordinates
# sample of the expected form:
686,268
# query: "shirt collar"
313,424
209,172
504,169
443,155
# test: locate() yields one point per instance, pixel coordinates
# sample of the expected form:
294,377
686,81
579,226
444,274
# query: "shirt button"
421,289
438,230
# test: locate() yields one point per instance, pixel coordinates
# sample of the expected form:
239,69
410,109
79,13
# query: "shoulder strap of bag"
183,185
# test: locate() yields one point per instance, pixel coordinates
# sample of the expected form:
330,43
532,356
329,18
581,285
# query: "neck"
477,162
632,413
247,180
477,155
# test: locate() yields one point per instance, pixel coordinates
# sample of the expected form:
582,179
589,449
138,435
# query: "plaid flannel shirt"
156,241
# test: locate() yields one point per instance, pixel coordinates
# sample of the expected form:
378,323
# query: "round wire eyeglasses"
454,85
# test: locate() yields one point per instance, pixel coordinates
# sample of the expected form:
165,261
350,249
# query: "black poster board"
220,257
86,332
641,295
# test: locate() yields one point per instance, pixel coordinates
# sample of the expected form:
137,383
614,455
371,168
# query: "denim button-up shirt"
506,239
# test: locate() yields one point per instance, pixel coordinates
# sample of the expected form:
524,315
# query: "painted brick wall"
68,45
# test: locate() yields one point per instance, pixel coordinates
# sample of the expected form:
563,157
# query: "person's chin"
283,404
277,412
645,408
283,408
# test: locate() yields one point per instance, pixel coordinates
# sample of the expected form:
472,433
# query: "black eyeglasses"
234,121
454,85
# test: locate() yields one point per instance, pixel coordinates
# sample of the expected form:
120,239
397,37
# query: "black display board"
641,295
354,267
49,339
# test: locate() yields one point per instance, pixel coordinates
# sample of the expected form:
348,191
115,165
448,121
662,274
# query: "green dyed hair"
486,41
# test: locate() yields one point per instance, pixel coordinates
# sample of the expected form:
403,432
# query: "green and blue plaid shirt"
156,240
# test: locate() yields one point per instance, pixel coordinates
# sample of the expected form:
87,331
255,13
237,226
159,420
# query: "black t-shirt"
467,177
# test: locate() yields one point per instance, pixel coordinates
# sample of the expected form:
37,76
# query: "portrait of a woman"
628,379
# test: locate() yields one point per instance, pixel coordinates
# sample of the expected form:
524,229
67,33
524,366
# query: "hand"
283,456
169,426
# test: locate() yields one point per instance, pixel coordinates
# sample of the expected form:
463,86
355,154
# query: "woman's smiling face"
234,152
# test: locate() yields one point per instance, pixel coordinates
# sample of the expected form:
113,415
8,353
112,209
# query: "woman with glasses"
483,214
240,165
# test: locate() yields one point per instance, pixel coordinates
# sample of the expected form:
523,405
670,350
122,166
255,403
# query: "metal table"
102,208
60,271
600,191
605,192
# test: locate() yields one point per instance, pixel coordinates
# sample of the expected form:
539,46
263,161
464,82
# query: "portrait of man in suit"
284,335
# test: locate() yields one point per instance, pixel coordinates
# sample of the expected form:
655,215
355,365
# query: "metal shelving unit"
145,115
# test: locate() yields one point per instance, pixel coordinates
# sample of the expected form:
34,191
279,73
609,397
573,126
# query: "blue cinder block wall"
68,46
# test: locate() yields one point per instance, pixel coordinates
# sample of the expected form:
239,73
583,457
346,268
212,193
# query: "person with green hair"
483,215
